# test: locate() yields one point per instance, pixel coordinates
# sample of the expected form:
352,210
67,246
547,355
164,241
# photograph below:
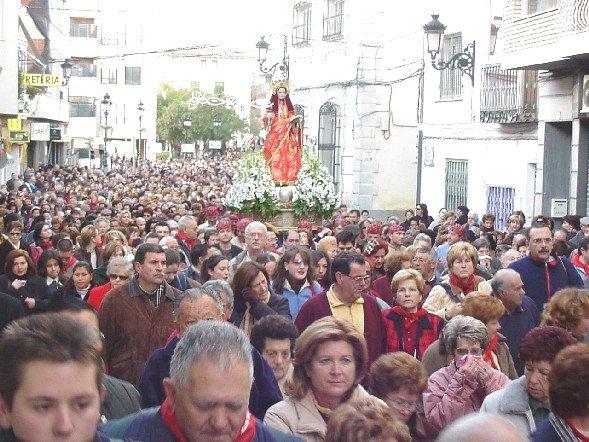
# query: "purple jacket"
450,395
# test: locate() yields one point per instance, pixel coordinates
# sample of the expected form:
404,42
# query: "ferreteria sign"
41,80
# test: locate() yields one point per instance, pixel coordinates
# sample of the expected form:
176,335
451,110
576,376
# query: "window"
540,5
195,86
500,203
108,76
132,76
451,79
328,139
82,27
82,107
456,182
83,68
333,19
301,31
219,87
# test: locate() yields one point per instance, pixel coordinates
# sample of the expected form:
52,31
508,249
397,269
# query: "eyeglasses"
121,277
255,235
359,279
402,405
477,351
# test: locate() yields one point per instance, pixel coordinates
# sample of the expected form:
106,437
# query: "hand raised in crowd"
18,283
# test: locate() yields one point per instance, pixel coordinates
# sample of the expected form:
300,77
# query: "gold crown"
278,84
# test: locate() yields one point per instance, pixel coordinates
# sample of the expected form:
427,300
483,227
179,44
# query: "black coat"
6,248
277,305
10,309
35,287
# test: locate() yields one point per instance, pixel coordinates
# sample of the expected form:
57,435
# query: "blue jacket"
296,300
148,426
515,325
264,393
542,280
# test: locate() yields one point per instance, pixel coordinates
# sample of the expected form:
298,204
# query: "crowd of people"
136,307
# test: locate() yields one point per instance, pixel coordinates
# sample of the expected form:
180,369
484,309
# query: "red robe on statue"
282,147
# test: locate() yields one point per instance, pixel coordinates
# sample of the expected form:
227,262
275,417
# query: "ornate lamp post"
140,151
66,68
106,103
262,47
463,61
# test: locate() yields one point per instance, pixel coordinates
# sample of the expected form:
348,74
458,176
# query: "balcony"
508,96
555,38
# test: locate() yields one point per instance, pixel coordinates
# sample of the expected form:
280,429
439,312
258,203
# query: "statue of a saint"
283,144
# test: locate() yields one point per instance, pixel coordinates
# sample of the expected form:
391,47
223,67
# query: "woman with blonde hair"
331,360
445,299
569,309
88,241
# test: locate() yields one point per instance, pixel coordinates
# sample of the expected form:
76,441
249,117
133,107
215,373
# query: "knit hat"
374,229
458,230
396,228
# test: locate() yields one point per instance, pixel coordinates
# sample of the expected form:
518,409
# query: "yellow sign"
41,80
14,124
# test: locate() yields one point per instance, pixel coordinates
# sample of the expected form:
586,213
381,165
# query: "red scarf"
246,433
577,263
189,242
465,286
409,318
488,356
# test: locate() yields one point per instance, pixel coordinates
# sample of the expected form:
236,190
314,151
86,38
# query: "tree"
172,109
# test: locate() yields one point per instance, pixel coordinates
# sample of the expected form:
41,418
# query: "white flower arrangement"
314,190
253,190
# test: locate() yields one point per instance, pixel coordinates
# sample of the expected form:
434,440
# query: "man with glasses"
255,243
543,273
345,299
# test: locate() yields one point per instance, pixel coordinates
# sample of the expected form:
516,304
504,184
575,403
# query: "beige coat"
438,300
302,417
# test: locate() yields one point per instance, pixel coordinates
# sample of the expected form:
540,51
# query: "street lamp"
463,61
262,47
66,68
140,110
187,124
106,106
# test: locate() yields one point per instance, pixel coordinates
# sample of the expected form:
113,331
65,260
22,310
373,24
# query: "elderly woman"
445,299
525,402
461,387
88,241
253,299
394,262
569,309
569,397
331,360
409,327
399,380
119,271
22,282
293,278
328,244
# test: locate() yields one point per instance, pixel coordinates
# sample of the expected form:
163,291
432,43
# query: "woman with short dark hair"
569,397
525,401
22,282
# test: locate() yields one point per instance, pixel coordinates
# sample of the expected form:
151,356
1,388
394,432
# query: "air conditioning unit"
585,95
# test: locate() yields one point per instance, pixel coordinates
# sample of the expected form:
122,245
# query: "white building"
355,70
478,139
553,36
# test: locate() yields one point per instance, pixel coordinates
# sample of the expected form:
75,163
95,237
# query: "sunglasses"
121,277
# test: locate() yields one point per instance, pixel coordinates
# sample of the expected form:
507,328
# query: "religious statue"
283,144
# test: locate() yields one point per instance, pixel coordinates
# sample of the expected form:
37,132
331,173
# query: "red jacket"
428,330
97,294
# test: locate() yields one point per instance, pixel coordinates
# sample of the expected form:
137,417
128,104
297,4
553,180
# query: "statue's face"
281,93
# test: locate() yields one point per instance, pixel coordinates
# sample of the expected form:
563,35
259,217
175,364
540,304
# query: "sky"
231,23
